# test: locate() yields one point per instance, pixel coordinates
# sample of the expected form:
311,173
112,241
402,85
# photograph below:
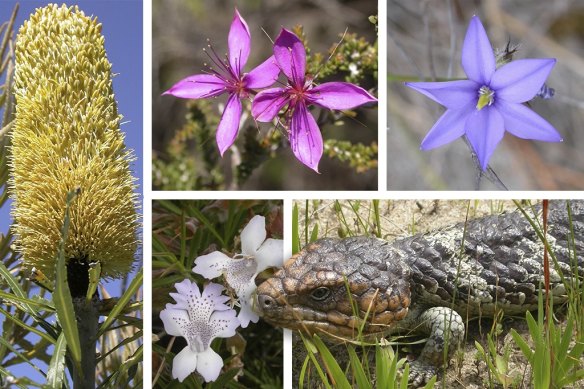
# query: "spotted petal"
291,56
478,59
305,137
339,95
171,318
524,123
229,124
520,80
199,86
485,129
451,94
239,42
211,265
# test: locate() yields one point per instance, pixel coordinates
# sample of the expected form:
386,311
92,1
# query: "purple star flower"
299,94
229,78
490,101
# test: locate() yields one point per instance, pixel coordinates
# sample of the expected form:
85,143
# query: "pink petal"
229,124
239,42
478,59
199,86
339,95
451,94
520,80
291,56
449,127
524,123
268,103
264,75
484,130
305,138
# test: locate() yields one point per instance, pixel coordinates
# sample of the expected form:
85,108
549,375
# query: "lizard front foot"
421,373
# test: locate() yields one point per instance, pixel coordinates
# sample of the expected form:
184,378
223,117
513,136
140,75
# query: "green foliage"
182,231
358,156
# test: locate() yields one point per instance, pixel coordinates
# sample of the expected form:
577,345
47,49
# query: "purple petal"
291,56
239,42
478,60
524,123
229,124
268,103
339,95
485,129
520,80
305,137
451,94
199,86
449,127
264,75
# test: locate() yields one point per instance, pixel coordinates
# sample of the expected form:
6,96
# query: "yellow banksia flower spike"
66,136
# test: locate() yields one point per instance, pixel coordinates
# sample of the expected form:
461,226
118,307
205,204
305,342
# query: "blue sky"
122,27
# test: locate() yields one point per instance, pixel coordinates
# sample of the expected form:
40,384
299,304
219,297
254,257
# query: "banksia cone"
65,137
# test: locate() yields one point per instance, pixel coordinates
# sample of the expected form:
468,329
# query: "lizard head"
338,288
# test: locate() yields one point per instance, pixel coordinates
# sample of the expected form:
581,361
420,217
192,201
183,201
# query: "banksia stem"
66,136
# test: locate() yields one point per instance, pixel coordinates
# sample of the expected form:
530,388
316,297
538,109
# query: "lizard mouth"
334,324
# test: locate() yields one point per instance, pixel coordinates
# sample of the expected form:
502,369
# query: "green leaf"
15,287
358,371
62,294
314,234
27,327
56,372
331,364
122,302
295,232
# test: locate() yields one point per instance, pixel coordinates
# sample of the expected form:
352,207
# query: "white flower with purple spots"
199,318
258,253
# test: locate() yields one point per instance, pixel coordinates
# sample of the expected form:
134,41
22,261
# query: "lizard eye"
320,294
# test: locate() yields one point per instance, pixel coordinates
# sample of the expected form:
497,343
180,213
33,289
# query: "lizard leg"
445,330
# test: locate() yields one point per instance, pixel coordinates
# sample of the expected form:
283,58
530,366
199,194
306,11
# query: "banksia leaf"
66,137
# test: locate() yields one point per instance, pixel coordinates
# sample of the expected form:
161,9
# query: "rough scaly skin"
427,282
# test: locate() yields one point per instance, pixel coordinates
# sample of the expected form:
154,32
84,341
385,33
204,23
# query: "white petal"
270,254
214,292
172,319
253,235
184,363
209,364
246,313
211,265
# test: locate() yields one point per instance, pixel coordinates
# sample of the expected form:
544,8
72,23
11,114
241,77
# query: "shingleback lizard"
427,282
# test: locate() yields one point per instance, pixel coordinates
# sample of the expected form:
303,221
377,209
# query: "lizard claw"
421,373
